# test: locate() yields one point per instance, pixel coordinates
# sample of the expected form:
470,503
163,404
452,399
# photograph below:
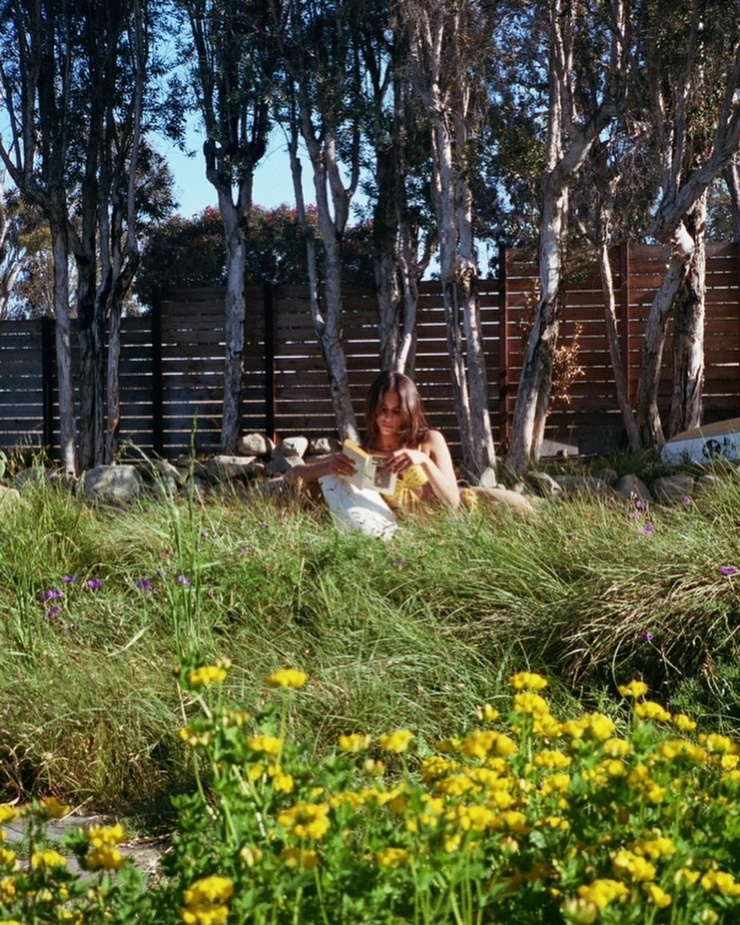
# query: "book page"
370,471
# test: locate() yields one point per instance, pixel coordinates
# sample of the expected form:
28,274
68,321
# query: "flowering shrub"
522,818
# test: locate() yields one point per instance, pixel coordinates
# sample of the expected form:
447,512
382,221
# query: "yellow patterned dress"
405,497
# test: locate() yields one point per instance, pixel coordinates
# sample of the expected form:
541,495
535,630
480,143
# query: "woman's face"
389,417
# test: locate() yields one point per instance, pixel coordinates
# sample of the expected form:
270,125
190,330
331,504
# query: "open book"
370,471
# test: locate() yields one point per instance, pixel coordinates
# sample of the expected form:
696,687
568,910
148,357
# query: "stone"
632,487
673,489
281,464
231,467
322,446
9,497
543,484
488,478
254,445
607,475
119,484
291,447
580,486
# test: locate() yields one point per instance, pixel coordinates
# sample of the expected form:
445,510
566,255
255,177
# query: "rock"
231,467
673,489
607,475
282,464
291,447
543,484
254,445
583,486
488,478
322,446
9,497
111,484
632,487
33,475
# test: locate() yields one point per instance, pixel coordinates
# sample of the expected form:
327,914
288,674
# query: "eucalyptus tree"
318,42
448,46
691,81
234,62
73,90
574,43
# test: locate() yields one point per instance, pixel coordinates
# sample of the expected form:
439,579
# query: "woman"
396,428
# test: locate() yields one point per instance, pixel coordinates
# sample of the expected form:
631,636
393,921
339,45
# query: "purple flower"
143,584
648,637
203,534
686,499
640,505
51,594
53,612
728,570
634,516
648,529
183,580
69,579
94,584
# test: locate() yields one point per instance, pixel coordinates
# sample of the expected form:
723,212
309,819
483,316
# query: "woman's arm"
334,464
436,462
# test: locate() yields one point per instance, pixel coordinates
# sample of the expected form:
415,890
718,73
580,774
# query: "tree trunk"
648,413
67,428
235,313
688,330
615,351
732,178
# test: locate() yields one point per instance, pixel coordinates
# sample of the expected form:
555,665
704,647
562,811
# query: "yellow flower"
104,858
686,877
720,882
580,911
648,709
554,783
527,680
634,689
207,674
47,858
655,848
209,890
204,915
600,727
52,808
250,856
8,813
527,702
7,889
617,748
683,723
628,864
392,857
106,836
287,677
717,744
282,782
602,892
270,745
356,742
306,820
396,742
552,759
299,858
6,856
659,897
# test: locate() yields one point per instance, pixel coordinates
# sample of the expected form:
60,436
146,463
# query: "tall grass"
413,632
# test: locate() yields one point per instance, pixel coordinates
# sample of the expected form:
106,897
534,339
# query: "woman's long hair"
415,423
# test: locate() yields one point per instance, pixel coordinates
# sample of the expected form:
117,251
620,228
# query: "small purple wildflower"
648,637
183,580
686,499
143,584
728,570
53,612
640,505
203,534
634,516
69,579
51,594
648,529
94,584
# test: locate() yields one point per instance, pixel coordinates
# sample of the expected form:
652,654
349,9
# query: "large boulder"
119,484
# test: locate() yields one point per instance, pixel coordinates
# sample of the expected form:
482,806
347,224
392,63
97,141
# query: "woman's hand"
339,464
400,461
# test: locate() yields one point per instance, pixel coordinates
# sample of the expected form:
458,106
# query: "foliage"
521,817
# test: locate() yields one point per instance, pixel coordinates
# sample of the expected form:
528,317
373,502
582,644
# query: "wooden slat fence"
172,359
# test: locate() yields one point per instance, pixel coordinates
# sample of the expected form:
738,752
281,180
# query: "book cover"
370,471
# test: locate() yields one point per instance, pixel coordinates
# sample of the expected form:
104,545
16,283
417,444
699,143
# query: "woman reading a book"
397,431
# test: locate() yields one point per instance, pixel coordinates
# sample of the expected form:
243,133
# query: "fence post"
48,336
503,351
268,322
157,383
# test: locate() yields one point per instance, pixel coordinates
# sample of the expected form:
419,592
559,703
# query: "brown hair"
416,427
